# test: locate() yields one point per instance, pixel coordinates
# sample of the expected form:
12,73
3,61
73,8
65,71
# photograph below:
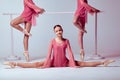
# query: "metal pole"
96,55
95,33
12,38
12,55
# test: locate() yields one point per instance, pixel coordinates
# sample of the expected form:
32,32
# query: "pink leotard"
30,11
58,58
82,9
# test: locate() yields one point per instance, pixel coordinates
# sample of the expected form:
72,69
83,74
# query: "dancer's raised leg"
78,24
16,24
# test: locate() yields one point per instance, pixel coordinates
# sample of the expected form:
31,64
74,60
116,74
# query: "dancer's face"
58,31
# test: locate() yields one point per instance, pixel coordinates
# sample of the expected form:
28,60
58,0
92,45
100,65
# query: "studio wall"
107,27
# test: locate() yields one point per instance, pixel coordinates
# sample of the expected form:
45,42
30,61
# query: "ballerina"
28,18
80,18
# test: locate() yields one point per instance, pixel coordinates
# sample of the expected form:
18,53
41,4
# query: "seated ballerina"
57,55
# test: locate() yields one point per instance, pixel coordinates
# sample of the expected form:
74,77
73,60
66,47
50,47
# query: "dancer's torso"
59,54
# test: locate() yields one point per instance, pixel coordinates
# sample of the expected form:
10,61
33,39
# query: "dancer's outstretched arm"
89,8
34,7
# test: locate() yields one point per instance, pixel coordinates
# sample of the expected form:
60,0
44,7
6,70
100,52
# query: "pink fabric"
58,58
30,12
82,9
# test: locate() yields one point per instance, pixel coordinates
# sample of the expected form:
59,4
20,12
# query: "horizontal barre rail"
59,12
10,14
43,13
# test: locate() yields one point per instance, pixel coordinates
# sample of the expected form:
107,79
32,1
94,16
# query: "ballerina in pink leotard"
28,18
57,55
80,18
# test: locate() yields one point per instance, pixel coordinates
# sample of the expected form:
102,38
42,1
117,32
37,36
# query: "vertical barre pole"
12,55
12,38
96,55
95,33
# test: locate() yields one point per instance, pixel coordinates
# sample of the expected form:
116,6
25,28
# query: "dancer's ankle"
83,30
82,54
26,54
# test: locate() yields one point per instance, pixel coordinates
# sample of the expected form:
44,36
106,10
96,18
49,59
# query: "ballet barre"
58,12
12,56
96,55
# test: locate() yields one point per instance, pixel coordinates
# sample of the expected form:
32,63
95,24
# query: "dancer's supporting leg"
26,41
79,22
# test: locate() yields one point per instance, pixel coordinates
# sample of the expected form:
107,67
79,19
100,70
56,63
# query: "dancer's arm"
34,7
47,62
71,57
89,8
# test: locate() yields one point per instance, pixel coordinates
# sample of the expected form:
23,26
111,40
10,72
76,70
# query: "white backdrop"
108,27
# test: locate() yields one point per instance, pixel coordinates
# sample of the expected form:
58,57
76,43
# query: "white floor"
112,72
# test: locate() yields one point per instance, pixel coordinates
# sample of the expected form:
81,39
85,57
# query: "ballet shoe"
106,62
11,64
26,32
82,55
26,54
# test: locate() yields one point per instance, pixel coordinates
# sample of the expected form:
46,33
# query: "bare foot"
106,62
11,64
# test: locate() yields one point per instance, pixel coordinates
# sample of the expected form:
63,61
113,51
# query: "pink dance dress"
30,12
82,9
58,58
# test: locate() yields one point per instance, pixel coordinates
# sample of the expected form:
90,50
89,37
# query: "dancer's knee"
38,64
12,23
75,23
